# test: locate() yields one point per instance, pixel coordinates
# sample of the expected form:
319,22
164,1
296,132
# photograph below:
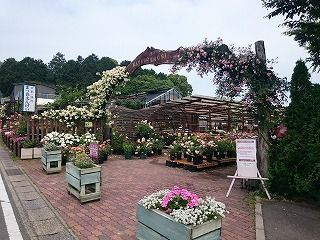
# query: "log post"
263,146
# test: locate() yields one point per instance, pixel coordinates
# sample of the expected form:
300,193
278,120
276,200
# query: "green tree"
300,81
8,75
302,19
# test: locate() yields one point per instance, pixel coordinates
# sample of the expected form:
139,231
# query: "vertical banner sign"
247,158
94,150
29,98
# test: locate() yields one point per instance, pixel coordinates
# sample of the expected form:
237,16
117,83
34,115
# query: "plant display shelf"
51,161
225,161
190,166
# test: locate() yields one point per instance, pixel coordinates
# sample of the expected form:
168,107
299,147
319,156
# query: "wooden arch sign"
153,56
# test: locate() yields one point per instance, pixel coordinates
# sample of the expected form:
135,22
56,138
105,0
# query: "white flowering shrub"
196,212
62,139
99,94
87,138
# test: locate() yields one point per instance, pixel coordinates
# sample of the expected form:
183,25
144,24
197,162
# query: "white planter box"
51,160
84,183
36,152
26,153
155,224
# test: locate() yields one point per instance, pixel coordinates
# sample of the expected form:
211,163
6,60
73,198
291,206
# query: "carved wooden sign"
153,56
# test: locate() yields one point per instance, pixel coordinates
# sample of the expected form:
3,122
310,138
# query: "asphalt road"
290,221
3,228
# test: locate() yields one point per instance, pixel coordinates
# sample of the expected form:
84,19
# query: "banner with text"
246,157
29,98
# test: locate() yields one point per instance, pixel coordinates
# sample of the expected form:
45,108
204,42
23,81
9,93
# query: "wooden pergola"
194,113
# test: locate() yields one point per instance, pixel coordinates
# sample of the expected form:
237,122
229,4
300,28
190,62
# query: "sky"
122,29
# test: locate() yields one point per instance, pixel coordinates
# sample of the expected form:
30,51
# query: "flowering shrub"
61,139
87,138
238,73
144,129
185,207
144,146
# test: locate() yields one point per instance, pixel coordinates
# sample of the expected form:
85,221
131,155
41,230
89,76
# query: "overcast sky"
122,29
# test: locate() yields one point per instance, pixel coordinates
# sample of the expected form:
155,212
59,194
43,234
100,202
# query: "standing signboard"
246,157
94,151
29,98
247,163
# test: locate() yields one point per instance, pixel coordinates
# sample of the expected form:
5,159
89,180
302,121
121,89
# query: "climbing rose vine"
99,94
237,73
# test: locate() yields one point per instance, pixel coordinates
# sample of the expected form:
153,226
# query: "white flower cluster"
67,139
3,110
61,139
154,200
101,91
207,210
88,138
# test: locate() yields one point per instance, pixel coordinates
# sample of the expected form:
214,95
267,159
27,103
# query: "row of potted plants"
197,146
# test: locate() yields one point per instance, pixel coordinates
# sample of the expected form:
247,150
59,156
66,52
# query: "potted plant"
197,154
27,149
231,149
104,151
128,150
209,149
157,146
83,178
221,148
51,158
144,129
179,214
172,152
143,147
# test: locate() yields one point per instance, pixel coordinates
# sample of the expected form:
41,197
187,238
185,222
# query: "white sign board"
29,98
247,158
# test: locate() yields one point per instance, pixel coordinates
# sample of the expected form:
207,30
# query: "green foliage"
22,128
128,148
117,141
50,147
29,143
295,160
300,81
82,160
130,103
302,19
68,96
144,130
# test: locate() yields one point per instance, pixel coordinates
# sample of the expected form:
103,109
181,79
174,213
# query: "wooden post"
263,146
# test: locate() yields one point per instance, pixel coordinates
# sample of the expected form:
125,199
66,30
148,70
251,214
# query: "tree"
302,18
300,81
8,75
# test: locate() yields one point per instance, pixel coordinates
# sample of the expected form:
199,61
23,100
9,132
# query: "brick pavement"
125,182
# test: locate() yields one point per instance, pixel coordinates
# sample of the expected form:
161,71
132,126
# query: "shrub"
29,143
50,147
117,141
82,160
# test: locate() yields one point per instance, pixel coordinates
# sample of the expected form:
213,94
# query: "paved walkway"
290,220
124,182
36,215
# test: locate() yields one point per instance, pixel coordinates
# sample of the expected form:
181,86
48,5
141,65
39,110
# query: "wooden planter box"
26,153
37,153
51,160
155,224
84,183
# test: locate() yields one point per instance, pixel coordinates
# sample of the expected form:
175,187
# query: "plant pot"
37,152
215,153
143,156
172,157
155,224
51,160
189,158
26,153
159,152
231,154
209,157
221,155
84,183
127,156
179,155
197,160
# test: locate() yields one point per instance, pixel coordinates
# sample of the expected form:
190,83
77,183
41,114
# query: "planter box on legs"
51,161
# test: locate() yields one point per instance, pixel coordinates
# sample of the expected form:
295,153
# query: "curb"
260,234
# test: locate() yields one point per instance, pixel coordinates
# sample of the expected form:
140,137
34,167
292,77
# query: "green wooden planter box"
84,183
51,160
157,225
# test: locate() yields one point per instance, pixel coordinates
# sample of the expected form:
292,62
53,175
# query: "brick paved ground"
125,182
